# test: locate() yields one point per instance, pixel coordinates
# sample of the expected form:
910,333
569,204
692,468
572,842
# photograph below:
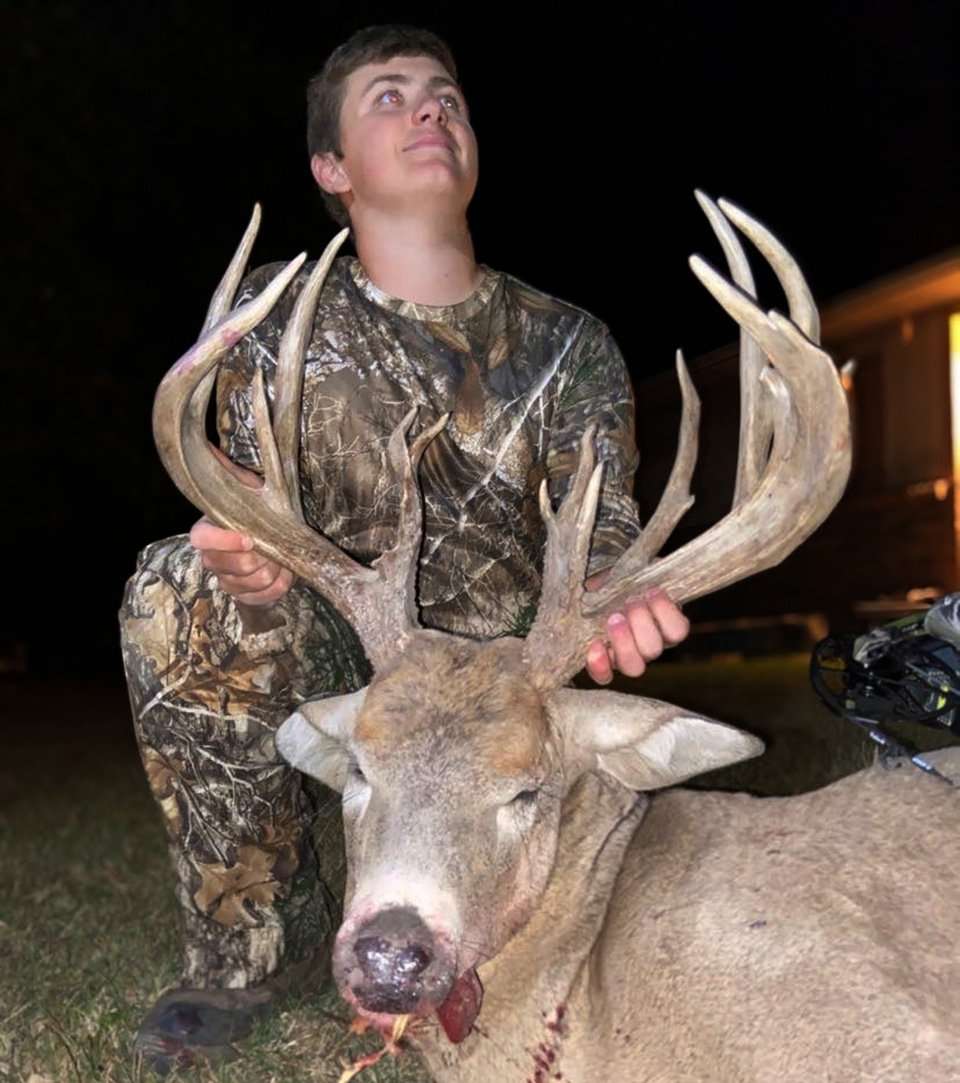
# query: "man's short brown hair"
325,90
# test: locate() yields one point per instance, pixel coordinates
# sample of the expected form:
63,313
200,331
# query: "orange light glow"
955,391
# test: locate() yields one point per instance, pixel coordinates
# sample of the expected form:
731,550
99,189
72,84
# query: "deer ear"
644,743
314,738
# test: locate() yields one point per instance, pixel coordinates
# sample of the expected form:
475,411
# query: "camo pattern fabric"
257,851
520,374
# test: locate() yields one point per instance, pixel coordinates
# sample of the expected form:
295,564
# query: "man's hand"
249,577
638,634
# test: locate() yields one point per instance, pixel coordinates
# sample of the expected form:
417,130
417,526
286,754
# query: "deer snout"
397,966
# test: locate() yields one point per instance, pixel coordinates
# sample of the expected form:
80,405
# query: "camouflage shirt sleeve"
595,389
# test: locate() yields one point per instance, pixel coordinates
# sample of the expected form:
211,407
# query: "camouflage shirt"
521,374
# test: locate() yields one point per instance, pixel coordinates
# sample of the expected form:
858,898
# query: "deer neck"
527,986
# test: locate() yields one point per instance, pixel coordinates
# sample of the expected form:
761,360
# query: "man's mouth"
431,142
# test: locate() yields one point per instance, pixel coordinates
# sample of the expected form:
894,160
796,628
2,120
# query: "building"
892,541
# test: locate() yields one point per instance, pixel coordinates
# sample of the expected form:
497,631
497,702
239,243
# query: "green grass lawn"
88,935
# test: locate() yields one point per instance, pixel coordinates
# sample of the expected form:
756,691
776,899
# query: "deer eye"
526,797
356,772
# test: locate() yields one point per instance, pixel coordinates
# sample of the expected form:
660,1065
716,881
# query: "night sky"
137,144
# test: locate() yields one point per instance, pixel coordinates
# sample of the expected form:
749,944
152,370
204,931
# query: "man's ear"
644,743
314,738
329,173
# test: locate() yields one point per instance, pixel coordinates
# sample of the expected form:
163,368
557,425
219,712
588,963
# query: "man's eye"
449,102
391,97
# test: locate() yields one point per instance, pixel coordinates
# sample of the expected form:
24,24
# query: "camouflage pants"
257,851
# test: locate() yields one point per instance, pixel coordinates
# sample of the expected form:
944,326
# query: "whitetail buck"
510,884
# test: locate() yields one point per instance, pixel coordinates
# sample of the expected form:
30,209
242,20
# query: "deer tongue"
460,1009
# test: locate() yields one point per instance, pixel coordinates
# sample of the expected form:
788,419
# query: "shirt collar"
411,310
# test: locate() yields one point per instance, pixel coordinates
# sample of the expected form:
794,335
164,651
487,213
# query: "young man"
220,643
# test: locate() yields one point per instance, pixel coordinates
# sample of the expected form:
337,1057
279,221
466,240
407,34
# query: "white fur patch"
296,739
381,890
336,715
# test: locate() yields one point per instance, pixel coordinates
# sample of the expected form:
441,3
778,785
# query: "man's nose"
431,109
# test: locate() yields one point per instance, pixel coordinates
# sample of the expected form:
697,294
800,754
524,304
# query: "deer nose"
380,959
393,951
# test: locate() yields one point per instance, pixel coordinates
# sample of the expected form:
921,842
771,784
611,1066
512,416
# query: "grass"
806,745
88,935
88,932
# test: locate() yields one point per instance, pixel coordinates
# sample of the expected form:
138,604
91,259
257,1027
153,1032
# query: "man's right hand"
245,575
249,577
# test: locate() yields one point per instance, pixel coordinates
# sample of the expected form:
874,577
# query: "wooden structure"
893,539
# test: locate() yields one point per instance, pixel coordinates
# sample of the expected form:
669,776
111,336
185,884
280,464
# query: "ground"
87,923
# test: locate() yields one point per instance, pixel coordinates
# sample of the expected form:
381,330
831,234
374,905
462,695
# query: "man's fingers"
647,637
272,594
260,580
637,636
628,657
206,535
248,576
672,623
599,663
237,564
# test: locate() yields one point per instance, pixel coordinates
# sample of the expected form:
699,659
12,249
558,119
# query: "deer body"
725,938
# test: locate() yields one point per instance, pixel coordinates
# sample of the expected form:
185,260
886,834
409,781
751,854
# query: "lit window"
955,390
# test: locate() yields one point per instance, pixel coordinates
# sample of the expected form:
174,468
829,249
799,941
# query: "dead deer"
510,884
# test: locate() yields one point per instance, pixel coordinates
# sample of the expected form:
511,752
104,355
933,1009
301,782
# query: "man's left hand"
637,634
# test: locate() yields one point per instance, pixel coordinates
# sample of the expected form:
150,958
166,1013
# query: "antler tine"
801,305
565,612
180,405
398,565
755,430
288,381
732,248
368,598
676,499
804,477
565,558
220,305
206,480
224,294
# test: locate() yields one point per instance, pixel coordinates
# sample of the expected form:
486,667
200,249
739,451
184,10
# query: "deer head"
455,762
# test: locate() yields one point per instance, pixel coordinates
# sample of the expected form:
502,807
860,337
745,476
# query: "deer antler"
378,601
793,466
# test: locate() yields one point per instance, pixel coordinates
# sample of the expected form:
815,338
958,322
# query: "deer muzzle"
393,964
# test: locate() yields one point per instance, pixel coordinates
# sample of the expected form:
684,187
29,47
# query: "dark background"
138,140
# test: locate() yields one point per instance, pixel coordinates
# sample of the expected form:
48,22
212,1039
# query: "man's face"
406,140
